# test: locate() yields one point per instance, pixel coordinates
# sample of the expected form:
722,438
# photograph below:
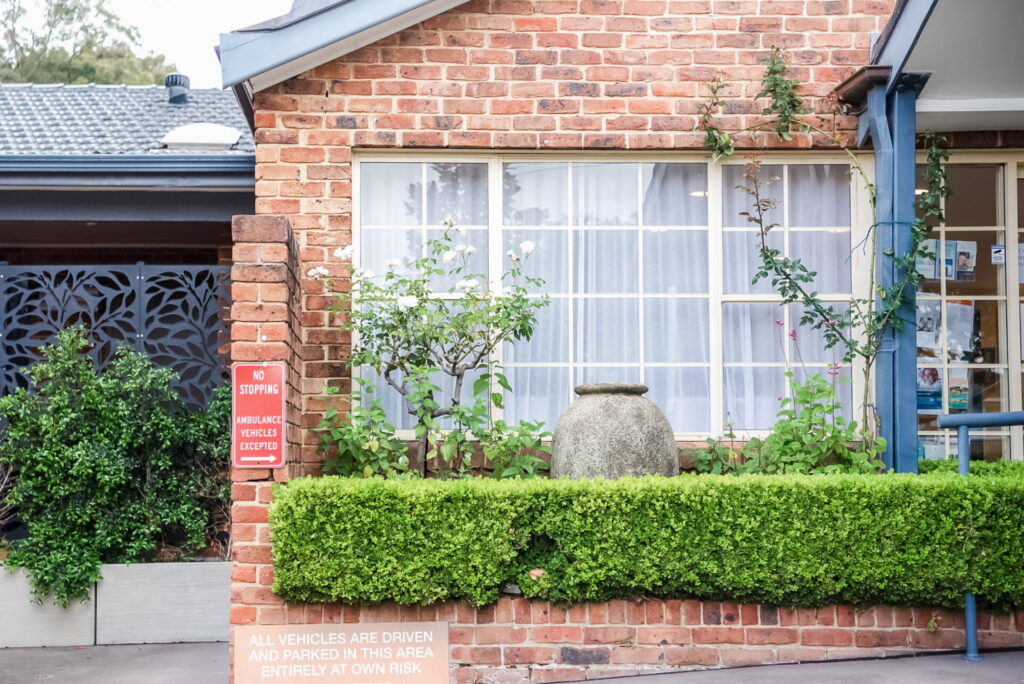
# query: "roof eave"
901,35
270,56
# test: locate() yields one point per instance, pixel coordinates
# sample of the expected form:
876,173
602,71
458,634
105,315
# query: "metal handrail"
963,422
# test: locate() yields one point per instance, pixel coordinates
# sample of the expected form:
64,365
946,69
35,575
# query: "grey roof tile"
37,119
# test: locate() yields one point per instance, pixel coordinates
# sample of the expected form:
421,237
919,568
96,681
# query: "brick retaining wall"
516,640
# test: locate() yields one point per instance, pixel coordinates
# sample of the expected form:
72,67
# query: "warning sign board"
384,653
257,415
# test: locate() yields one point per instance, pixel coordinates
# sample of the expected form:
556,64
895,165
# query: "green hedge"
995,468
781,540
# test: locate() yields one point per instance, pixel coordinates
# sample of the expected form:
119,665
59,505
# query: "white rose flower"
344,252
448,222
318,272
470,284
512,255
460,248
527,246
470,250
448,256
364,275
406,302
393,263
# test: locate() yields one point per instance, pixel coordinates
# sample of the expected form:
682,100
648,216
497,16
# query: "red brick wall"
516,640
519,74
264,327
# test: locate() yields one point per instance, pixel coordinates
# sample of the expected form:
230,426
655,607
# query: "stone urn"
612,430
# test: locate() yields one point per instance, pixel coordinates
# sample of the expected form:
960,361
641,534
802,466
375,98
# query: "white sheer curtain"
392,193
675,261
457,191
819,195
735,201
675,194
534,194
683,393
605,194
760,332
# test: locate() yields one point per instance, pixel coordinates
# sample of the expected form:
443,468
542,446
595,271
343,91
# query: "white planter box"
161,603
23,623
145,603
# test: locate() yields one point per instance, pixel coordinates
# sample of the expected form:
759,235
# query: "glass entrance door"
964,352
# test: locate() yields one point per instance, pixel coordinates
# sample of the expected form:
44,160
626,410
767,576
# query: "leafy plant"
110,466
206,446
361,442
724,456
810,436
513,449
431,318
782,540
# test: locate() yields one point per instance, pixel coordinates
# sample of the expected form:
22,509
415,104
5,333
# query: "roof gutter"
212,171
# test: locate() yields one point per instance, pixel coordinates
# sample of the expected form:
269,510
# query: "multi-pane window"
648,267
962,355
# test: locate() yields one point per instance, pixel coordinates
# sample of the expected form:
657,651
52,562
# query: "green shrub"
110,466
781,540
993,468
810,436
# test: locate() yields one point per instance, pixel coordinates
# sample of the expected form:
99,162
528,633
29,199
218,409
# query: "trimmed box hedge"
778,540
985,468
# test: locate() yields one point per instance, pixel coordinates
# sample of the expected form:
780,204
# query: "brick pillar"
265,327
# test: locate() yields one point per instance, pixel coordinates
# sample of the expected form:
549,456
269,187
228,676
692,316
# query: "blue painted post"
963,453
963,422
903,123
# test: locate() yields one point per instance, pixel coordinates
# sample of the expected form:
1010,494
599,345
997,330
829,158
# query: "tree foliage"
72,41
110,466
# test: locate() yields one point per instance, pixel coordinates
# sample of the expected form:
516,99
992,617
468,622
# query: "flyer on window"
929,389
949,260
959,389
926,265
966,259
932,447
929,327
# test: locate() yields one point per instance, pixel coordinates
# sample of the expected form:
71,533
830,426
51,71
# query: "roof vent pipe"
177,88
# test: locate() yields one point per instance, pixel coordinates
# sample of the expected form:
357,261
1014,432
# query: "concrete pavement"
208,664
136,664
995,668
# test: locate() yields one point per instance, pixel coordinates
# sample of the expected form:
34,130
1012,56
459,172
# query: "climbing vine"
859,331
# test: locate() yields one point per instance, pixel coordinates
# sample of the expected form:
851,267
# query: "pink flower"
778,323
792,334
536,574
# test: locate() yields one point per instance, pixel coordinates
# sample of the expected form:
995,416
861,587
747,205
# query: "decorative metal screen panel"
176,314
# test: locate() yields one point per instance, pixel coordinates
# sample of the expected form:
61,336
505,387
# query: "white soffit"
974,53
316,58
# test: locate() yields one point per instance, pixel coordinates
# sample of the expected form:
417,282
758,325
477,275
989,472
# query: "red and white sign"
257,415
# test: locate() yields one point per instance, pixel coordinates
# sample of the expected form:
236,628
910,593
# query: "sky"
186,31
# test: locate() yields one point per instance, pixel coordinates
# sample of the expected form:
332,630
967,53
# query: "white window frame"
1012,164
860,223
